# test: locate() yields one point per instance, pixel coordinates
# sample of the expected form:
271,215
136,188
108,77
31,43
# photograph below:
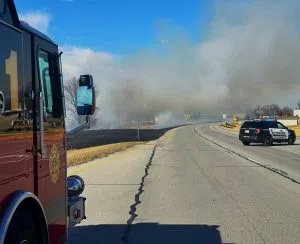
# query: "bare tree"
269,110
286,111
70,88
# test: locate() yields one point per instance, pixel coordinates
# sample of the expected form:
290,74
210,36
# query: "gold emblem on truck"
54,163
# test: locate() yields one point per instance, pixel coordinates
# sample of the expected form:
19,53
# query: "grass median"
81,156
235,128
296,128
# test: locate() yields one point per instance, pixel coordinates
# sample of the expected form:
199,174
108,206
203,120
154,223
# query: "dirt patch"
80,156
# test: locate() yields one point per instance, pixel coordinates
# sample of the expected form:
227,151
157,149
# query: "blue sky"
99,36
118,26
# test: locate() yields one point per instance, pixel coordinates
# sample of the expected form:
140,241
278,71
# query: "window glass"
261,125
61,81
248,125
2,6
265,125
46,82
280,126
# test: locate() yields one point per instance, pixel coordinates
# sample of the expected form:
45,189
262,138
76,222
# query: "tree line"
73,119
271,110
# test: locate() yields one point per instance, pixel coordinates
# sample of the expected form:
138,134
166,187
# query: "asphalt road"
183,188
282,158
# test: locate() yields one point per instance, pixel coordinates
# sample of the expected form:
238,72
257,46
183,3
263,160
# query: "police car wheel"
291,140
268,141
246,143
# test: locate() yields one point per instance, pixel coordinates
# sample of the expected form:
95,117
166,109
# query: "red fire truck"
38,203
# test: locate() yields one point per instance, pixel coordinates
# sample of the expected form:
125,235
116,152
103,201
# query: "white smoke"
250,56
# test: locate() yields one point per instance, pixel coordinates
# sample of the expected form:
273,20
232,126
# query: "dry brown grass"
235,127
296,128
80,156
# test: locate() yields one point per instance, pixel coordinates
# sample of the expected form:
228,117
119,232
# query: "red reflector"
77,214
257,131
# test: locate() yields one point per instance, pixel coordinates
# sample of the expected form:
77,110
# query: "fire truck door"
51,151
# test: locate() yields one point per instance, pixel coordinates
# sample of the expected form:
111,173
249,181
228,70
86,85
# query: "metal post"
138,131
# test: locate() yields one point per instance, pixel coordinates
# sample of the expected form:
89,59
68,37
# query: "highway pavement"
196,184
282,158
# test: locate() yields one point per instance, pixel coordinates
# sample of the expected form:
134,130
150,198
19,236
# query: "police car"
266,132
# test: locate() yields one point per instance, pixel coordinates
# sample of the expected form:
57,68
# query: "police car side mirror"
86,96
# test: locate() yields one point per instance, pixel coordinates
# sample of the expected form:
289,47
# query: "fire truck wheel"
22,229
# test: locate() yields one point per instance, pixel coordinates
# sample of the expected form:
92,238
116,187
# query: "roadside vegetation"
231,127
270,110
296,128
236,128
80,156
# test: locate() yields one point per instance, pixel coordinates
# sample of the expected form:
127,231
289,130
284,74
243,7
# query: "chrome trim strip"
10,26
42,140
17,198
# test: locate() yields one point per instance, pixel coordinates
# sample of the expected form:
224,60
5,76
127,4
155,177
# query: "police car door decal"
279,133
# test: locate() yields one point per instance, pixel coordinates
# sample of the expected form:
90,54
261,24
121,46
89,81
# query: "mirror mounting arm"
80,128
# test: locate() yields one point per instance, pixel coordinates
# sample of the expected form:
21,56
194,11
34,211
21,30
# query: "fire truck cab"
37,201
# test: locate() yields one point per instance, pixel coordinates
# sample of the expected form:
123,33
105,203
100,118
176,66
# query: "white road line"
254,161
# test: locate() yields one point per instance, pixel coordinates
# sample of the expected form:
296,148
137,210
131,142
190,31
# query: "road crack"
137,200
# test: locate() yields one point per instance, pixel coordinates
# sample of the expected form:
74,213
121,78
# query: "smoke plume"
249,56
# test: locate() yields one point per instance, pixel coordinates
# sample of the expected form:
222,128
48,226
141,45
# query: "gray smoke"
250,56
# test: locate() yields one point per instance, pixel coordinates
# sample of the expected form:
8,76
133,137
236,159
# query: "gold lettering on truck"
11,68
54,164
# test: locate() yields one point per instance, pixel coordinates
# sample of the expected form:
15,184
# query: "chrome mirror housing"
75,185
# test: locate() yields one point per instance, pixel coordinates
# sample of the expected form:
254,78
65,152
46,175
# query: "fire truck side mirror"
85,100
